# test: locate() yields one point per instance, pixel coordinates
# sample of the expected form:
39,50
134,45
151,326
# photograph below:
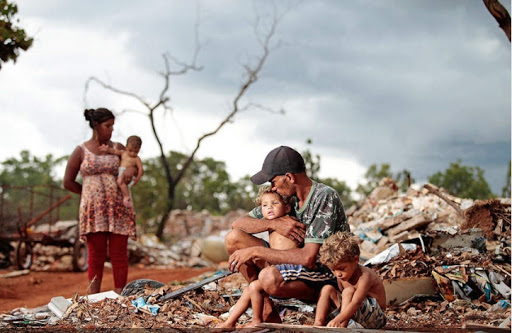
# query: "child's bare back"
368,279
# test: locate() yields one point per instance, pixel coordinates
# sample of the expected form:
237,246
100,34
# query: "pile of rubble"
386,217
190,230
445,263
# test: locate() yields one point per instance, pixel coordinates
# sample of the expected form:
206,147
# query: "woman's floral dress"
101,203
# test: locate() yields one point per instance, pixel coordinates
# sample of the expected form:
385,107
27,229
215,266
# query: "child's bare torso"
280,242
127,161
376,289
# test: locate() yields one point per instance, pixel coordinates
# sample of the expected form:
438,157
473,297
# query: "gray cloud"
415,83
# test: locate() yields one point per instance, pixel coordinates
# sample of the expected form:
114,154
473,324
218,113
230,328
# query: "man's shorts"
369,315
314,278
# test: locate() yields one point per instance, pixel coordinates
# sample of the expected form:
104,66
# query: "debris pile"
386,217
457,250
189,230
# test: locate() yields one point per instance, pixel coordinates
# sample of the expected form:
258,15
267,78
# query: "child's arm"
363,286
113,151
140,171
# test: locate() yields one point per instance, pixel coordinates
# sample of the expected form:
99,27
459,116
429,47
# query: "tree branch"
252,77
501,15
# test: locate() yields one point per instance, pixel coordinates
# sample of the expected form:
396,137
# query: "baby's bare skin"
279,242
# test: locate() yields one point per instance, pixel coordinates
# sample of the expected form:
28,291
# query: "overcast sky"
417,84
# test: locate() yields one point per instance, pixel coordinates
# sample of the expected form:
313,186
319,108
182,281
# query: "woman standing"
104,221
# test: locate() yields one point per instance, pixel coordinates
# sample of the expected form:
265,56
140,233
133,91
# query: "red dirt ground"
37,288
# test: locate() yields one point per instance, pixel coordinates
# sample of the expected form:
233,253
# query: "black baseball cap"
279,161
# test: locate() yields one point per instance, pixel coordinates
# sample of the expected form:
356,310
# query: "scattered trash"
59,305
140,304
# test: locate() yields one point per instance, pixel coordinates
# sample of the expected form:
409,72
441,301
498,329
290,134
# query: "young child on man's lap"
272,206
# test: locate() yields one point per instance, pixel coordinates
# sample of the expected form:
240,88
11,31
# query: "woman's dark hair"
98,115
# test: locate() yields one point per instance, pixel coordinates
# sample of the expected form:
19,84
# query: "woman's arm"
72,169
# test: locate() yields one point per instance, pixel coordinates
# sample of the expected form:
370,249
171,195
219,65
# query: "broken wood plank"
392,221
435,191
485,328
414,222
323,329
14,274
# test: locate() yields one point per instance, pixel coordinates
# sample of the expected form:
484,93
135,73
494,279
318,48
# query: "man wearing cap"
317,213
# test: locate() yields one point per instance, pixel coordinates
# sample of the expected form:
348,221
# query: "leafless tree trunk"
251,77
501,15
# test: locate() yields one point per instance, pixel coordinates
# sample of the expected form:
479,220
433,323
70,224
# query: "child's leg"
238,310
327,295
256,293
124,188
346,297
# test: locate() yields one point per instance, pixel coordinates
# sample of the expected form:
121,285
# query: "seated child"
130,165
272,206
362,299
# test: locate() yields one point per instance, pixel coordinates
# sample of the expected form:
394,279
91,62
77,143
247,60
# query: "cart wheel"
24,255
80,255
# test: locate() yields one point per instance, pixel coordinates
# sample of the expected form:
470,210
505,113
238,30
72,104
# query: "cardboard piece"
405,288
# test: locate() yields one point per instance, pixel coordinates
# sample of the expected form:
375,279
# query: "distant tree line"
207,185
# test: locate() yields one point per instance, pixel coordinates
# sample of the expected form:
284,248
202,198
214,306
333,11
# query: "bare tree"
501,15
250,78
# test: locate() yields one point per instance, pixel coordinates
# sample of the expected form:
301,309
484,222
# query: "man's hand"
289,227
239,257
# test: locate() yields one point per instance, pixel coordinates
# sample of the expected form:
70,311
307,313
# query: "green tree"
30,186
12,38
30,170
375,173
312,162
505,192
205,185
403,180
242,194
343,190
463,181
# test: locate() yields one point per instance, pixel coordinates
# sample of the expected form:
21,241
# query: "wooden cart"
31,215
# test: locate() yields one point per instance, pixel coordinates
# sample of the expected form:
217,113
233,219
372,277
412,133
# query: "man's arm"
285,225
305,256
140,170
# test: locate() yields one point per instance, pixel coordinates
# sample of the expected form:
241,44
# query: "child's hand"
334,323
104,148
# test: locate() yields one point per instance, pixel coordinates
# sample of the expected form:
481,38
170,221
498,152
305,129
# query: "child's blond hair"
268,190
340,247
